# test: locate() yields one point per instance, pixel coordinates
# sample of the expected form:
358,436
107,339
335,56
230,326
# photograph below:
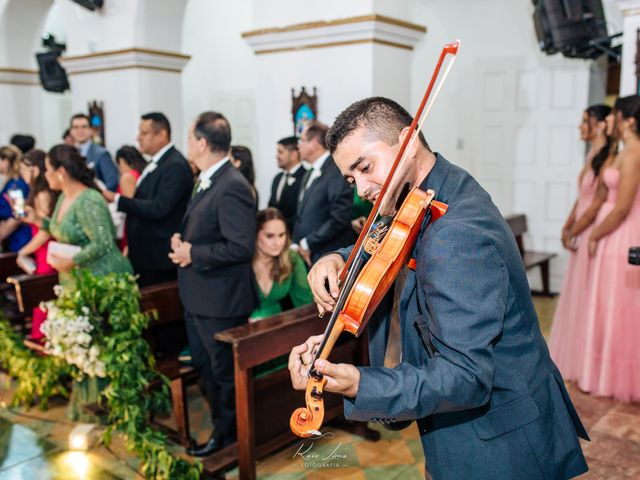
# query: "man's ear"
412,148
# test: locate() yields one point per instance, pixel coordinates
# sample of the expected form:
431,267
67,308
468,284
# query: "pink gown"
611,363
566,343
42,268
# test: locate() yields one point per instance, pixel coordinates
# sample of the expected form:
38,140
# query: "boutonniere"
205,184
151,167
291,180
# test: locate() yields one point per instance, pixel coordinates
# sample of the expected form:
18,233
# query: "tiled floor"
34,449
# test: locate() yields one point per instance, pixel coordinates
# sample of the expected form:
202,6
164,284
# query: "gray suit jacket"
99,159
475,372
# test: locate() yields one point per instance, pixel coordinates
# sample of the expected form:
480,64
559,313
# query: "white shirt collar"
83,148
208,173
294,169
161,152
317,165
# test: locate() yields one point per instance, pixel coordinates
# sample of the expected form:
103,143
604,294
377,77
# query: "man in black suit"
323,222
156,209
97,157
214,250
286,184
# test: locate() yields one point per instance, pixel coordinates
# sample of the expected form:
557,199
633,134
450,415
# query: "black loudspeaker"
634,255
52,76
572,27
90,4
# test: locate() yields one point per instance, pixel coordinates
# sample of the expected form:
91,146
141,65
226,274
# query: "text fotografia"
314,455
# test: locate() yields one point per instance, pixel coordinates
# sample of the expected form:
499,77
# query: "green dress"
295,286
87,223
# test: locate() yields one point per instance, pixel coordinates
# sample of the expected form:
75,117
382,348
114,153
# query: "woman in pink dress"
41,199
566,344
611,363
130,164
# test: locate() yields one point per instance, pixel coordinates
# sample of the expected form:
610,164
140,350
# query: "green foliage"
37,378
114,309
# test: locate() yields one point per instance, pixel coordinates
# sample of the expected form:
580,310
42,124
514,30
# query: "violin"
381,251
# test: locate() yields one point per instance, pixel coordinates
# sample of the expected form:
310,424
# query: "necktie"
194,192
284,181
393,353
305,183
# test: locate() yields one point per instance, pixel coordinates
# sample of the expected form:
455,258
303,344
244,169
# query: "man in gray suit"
98,157
474,369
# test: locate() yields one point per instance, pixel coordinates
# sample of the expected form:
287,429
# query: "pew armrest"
267,339
33,289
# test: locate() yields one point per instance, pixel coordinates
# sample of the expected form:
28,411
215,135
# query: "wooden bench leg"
245,422
180,411
544,270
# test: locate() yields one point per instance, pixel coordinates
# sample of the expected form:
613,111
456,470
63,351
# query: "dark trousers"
213,361
154,277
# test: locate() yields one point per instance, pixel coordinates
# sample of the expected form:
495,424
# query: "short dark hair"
23,142
131,157
317,130
290,143
66,133
215,129
159,121
80,115
383,119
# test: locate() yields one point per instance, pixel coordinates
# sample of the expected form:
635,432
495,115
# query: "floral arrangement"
96,329
69,337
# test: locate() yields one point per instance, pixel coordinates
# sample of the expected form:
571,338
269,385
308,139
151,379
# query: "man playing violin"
474,369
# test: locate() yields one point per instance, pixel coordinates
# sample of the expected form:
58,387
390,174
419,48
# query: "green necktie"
194,192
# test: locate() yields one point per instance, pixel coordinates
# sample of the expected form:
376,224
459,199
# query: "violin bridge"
375,238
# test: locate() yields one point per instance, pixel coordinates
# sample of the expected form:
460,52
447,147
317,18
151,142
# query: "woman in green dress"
81,217
280,271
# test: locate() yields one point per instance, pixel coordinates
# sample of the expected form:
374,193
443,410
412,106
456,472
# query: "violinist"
460,352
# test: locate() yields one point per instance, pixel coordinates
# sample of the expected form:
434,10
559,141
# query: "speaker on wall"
90,4
576,28
52,76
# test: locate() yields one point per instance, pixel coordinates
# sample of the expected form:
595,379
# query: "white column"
630,25
346,58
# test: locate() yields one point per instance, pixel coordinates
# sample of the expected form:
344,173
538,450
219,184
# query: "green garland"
113,303
37,378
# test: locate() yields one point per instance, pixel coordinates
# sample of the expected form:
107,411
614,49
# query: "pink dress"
42,268
566,343
611,363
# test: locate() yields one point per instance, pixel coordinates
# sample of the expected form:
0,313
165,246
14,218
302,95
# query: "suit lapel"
158,165
199,195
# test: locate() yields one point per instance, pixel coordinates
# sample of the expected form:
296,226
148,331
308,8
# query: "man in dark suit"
214,250
98,158
323,221
286,184
474,369
158,205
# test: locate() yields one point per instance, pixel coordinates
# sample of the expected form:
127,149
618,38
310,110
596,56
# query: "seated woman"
14,233
280,271
81,217
41,199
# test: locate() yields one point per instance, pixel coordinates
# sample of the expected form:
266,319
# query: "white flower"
291,180
151,166
204,184
57,290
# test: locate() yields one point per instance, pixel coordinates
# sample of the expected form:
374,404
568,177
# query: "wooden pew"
8,265
265,404
531,259
31,290
163,300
